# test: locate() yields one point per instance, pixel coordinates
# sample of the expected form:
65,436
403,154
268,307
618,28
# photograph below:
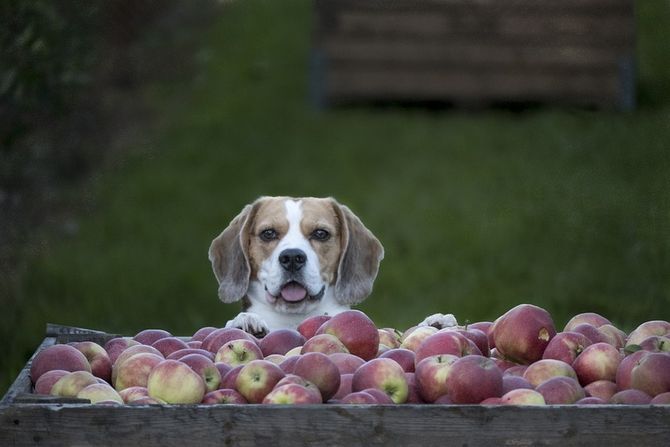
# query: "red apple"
359,398
345,386
238,352
220,337
183,352
661,399
168,345
135,370
175,382
598,361
380,396
561,390
280,341
544,369
413,396
309,325
446,342
591,401
514,382
296,379
229,379
202,333
275,358
413,337
431,376
117,345
603,389
566,346
71,383
652,374
630,397
656,343
292,393
384,374
485,327
389,338
194,344
591,318
129,352
133,393
149,336
47,380
522,396
356,331
478,337
623,373
63,357
101,365
492,401
346,363
319,369
256,379
523,332
324,343
404,357
205,368
647,329
99,392
289,364
591,332
473,378
223,396
613,335
517,370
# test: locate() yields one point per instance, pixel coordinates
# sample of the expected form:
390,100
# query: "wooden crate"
474,52
27,420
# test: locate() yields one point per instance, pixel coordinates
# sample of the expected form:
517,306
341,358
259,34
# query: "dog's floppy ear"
359,261
229,257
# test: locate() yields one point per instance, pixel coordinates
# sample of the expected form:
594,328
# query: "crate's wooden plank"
22,384
336,425
452,85
29,398
491,55
67,334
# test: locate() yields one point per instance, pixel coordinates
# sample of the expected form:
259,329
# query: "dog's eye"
320,235
268,235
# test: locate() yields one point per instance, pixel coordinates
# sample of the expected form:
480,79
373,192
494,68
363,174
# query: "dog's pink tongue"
293,292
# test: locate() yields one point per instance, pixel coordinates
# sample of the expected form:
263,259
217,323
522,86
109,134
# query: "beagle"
290,258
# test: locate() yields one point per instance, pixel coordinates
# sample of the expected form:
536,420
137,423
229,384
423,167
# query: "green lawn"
567,209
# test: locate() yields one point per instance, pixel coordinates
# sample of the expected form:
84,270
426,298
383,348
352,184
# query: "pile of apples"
518,359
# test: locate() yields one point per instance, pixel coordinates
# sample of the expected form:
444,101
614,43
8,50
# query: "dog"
290,258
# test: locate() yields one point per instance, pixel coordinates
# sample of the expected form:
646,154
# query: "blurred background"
132,132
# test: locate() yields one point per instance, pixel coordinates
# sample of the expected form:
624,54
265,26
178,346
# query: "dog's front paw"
440,321
251,323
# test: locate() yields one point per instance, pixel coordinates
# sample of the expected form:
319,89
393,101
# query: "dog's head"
292,253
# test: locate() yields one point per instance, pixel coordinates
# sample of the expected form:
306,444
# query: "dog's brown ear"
359,262
229,257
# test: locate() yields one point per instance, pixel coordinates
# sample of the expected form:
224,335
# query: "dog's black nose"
292,259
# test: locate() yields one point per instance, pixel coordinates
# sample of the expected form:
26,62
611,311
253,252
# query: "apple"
101,365
591,318
319,369
446,342
309,325
473,378
346,363
135,370
389,337
491,401
133,393
485,327
431,376
99,392
514,382
129,352
566,346
382,349
613,335
256,379
223,369
183,352
205,368
63,357
516,370
384,374
296,379
561,390
202,333
355,330
478,337
652,374
591,332
603,389
625,369
223,396
289,363
630,397
404,357
359,398
149,336
194,344
175,382
647,329
229,379
324,343
47,380
275,358
280,341
591,401
661,399
656,343
522,396
168,345
505,365
380,396
544,369
292,393
71,383
345,386
522,333
117,345
598,361
238,352
413,337
413,396
220,337
294,352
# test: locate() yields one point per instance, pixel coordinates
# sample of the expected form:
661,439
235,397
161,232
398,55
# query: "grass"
567,209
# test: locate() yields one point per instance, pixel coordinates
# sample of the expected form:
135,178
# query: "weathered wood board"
474,51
